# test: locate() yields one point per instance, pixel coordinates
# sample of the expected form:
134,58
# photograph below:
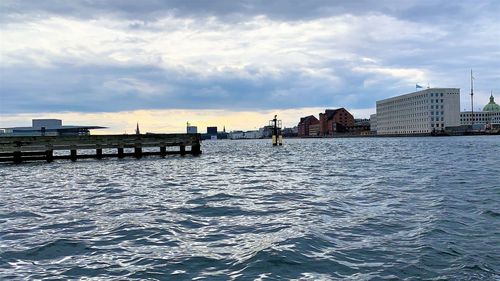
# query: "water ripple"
319,209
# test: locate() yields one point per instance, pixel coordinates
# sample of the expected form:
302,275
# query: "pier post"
183,149
73,155
163,151
98,153
49,155
120,152
17,157
138,151
196,149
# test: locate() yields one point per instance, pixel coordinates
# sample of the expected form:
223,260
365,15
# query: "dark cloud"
150,10
98,89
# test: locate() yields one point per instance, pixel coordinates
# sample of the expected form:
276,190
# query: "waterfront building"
420,112
48,127
308,126
236,135
373,123
212,131
335,121
266,131
191,129
489,116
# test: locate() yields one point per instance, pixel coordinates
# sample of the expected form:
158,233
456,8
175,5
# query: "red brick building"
335,121
306,124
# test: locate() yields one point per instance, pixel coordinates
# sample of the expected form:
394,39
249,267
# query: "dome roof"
492,106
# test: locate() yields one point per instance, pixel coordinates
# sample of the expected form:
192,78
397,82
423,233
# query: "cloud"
116,56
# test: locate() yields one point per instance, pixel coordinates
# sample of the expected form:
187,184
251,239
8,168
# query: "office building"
420,112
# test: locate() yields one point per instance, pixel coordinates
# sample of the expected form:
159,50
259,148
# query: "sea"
422,208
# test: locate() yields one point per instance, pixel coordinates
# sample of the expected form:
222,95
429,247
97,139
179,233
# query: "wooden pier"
41,148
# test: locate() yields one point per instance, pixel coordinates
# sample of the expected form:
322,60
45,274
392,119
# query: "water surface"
317,209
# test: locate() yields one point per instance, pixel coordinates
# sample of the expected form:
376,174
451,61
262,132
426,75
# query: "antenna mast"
472,98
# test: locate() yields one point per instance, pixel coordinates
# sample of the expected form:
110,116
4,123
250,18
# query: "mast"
472,98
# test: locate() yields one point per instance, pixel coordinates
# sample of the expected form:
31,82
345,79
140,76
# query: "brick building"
335,121
308,126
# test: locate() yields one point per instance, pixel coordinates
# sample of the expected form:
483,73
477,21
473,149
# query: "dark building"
335,121
212,131
306,124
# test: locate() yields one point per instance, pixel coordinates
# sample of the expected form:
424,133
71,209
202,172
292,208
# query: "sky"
235,63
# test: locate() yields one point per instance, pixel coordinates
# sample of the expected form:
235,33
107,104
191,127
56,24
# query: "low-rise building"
489,117
48,127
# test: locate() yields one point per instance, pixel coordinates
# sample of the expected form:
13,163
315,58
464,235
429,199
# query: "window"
441,94
442,100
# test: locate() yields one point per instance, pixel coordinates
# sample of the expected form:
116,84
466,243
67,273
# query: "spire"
137,131
224,130
492,99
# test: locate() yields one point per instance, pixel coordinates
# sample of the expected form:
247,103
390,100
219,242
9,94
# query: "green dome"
492,106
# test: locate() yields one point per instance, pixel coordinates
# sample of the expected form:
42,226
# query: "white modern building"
48,127
236,135
420,112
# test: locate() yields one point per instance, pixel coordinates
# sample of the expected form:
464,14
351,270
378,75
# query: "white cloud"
204,45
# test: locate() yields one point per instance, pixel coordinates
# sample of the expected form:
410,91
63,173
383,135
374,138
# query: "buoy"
276,125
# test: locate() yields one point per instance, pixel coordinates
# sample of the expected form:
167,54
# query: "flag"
418,86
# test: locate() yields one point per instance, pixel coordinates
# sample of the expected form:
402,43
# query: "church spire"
137,131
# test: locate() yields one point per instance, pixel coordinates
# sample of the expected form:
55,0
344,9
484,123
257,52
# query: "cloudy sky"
235,63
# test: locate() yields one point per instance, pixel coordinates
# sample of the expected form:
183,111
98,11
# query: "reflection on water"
314,209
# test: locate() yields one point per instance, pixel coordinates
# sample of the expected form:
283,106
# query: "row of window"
437,118
432,94
437,113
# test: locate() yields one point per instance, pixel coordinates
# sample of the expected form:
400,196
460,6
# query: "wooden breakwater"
41,148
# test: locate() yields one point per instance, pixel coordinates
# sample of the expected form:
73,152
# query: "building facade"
489,116
191,129
373,123
48,127
306,124
421,112
335,121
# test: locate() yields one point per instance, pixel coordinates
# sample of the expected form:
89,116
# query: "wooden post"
73,155
163,151
17,157
98,153
138,151
49,155
120,152
196,148
183,149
